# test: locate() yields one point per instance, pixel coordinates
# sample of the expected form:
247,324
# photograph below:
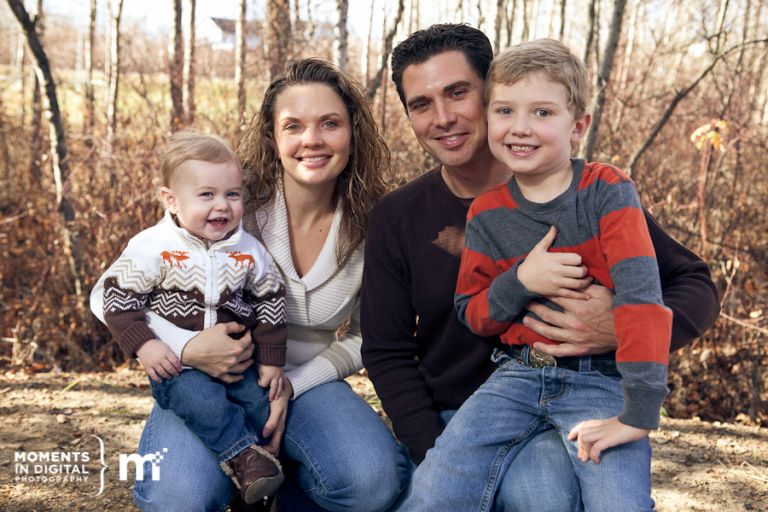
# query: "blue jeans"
214,410
473,455
541,466
338,455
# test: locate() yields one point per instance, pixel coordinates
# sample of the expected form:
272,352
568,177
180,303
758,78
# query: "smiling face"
313,134
207,198
530,127
444,98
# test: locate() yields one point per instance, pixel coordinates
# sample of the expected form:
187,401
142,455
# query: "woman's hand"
278,410
584,328
212,351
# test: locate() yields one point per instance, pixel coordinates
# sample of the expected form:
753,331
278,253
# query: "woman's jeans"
472,457
338,454
214,410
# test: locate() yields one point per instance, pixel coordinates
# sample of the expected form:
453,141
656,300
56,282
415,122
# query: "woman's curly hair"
363,180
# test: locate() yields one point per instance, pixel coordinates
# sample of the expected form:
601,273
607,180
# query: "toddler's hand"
158,360
594,436
553,274
271,377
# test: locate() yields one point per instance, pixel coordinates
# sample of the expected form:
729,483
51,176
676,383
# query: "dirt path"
698,466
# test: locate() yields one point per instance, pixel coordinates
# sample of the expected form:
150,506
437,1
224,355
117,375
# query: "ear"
580,127
169,200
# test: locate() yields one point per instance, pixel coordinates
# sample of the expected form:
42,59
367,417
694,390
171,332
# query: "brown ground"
698,466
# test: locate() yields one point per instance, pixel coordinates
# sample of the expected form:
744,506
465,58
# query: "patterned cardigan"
317,304
173,274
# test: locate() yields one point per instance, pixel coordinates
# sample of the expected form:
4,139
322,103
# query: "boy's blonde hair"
547,56
185,146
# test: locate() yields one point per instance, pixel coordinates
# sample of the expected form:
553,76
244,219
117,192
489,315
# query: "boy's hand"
594,436
553,274
158,360
271,377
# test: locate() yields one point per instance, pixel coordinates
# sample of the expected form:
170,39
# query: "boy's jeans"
462,472
217,412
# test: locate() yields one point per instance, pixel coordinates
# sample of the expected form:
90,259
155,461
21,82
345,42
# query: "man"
423,362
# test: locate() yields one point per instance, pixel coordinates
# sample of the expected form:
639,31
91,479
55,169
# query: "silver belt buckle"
539,359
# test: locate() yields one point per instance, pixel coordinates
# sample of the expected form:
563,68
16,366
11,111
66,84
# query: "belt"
529,356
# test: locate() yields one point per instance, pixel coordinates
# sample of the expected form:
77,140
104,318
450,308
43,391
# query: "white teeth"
314,158
515,147
451,138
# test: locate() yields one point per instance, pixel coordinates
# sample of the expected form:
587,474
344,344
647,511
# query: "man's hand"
594,436
584,328
271,377
278,410
553,274
212,351
158,360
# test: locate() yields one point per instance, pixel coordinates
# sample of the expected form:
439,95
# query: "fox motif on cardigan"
600,218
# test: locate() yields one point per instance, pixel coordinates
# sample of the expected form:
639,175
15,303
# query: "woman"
314,165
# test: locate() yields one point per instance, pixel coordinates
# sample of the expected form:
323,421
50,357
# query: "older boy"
536,109
195,268
422,360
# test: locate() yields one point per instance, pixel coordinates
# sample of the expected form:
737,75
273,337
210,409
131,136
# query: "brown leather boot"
256,472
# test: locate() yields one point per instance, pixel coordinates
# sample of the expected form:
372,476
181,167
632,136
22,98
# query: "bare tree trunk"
721,34
36,140
511,22
562,19
592,20
177,69
460,11
386,49
366,57
190,63
58,148
90,108
21,72
278,35
114,73
501,12
240,54
340,53
604,77
524,36
480,15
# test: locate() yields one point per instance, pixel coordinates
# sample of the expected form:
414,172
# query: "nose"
221,203
311,137
444,116
520,125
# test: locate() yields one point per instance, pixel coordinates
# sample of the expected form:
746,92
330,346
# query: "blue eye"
233,195
206,194
504,111
330,124
543,112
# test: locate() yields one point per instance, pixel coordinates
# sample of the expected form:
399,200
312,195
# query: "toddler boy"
196,268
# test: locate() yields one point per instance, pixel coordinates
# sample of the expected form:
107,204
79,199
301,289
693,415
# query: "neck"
308,205
471,180
544,187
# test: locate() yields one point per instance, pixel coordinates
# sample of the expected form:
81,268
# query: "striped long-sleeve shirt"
600,218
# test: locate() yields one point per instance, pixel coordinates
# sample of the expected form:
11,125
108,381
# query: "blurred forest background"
87,103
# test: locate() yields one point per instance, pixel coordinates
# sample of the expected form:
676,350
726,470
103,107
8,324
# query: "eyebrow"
324,116
447,89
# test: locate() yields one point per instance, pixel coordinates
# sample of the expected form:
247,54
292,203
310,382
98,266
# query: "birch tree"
240,63
36,138
501,12
72,251
90,108
114,74
340,51
190,62
177,69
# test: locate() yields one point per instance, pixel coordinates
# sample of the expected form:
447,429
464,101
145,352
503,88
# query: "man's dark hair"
425,44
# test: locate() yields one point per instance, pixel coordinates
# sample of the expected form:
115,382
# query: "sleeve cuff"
641,407
317,371
507,296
